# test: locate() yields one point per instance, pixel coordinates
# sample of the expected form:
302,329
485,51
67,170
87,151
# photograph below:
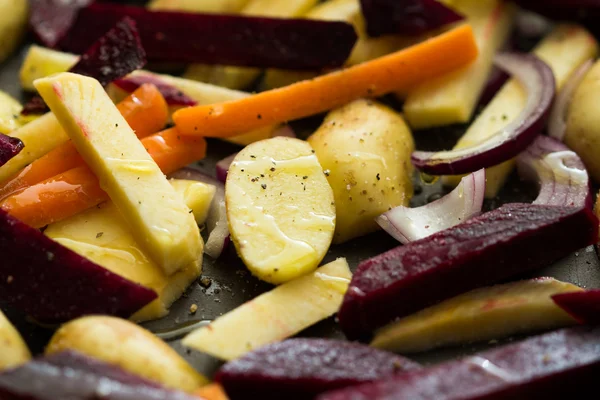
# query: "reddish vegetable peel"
9,147
66,285
222,39
511,240
409,17
539,81
583,306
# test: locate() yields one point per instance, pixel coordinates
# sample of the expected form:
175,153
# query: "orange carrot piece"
78,189
214,391
145,110
395,72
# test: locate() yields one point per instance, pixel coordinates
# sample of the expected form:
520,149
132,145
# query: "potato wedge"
41,62
102,235
13,24
482,314
13,349
365,148
276,193
131,347
275,315
583,122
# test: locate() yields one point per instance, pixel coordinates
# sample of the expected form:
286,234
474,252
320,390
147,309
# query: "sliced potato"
13,24
102,235
197,196
202,6
482,314
10,114
41,62
365,148
131,347
275,315
13,349
276,193
159,218
583,122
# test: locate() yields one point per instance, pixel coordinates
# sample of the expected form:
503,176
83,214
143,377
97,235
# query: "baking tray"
231,283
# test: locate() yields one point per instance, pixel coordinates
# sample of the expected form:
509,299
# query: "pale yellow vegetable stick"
482,314
564,50
241,77
202,6
13,349
452,98
102,235
275,315
10,114
129,346
13,25
41,62
159,219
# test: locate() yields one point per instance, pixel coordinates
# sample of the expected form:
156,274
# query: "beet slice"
551,366
172,95
583,306
74,376
9,147
117,53
303,368
409,17
53,284
511,240
222,39
50,20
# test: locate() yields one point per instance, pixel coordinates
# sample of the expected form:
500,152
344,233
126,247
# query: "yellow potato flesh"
483,314
280,208
13,349
275,315
365,148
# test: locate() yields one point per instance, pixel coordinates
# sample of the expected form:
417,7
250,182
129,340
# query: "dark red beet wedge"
409,17
52,284
9,147
302,368
172,95
511,240
50,20
73,376
556,365
583,306
222,39
117,53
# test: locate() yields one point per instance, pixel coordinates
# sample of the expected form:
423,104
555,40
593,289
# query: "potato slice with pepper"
280,208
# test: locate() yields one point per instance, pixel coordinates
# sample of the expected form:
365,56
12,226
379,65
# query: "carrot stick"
145,110
78,189
395,72
214,391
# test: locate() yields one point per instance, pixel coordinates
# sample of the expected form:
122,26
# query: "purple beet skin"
50,20
53,284
172,95
303,368
409,17
583,306
556,365
73,376
9,147
500,244
222,39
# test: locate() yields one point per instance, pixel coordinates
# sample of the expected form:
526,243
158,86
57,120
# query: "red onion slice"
222,167
539,82
216,222
560,172
410,224
557,124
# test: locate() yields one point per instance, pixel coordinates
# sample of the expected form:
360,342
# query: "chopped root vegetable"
14,349
550,366
172,95
275,315
69,286
583,306
74,376
511,240
9,148
407,224
78,189
222,39
213,391
144,110
488,313
51,20
303,368
394,72
409,17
